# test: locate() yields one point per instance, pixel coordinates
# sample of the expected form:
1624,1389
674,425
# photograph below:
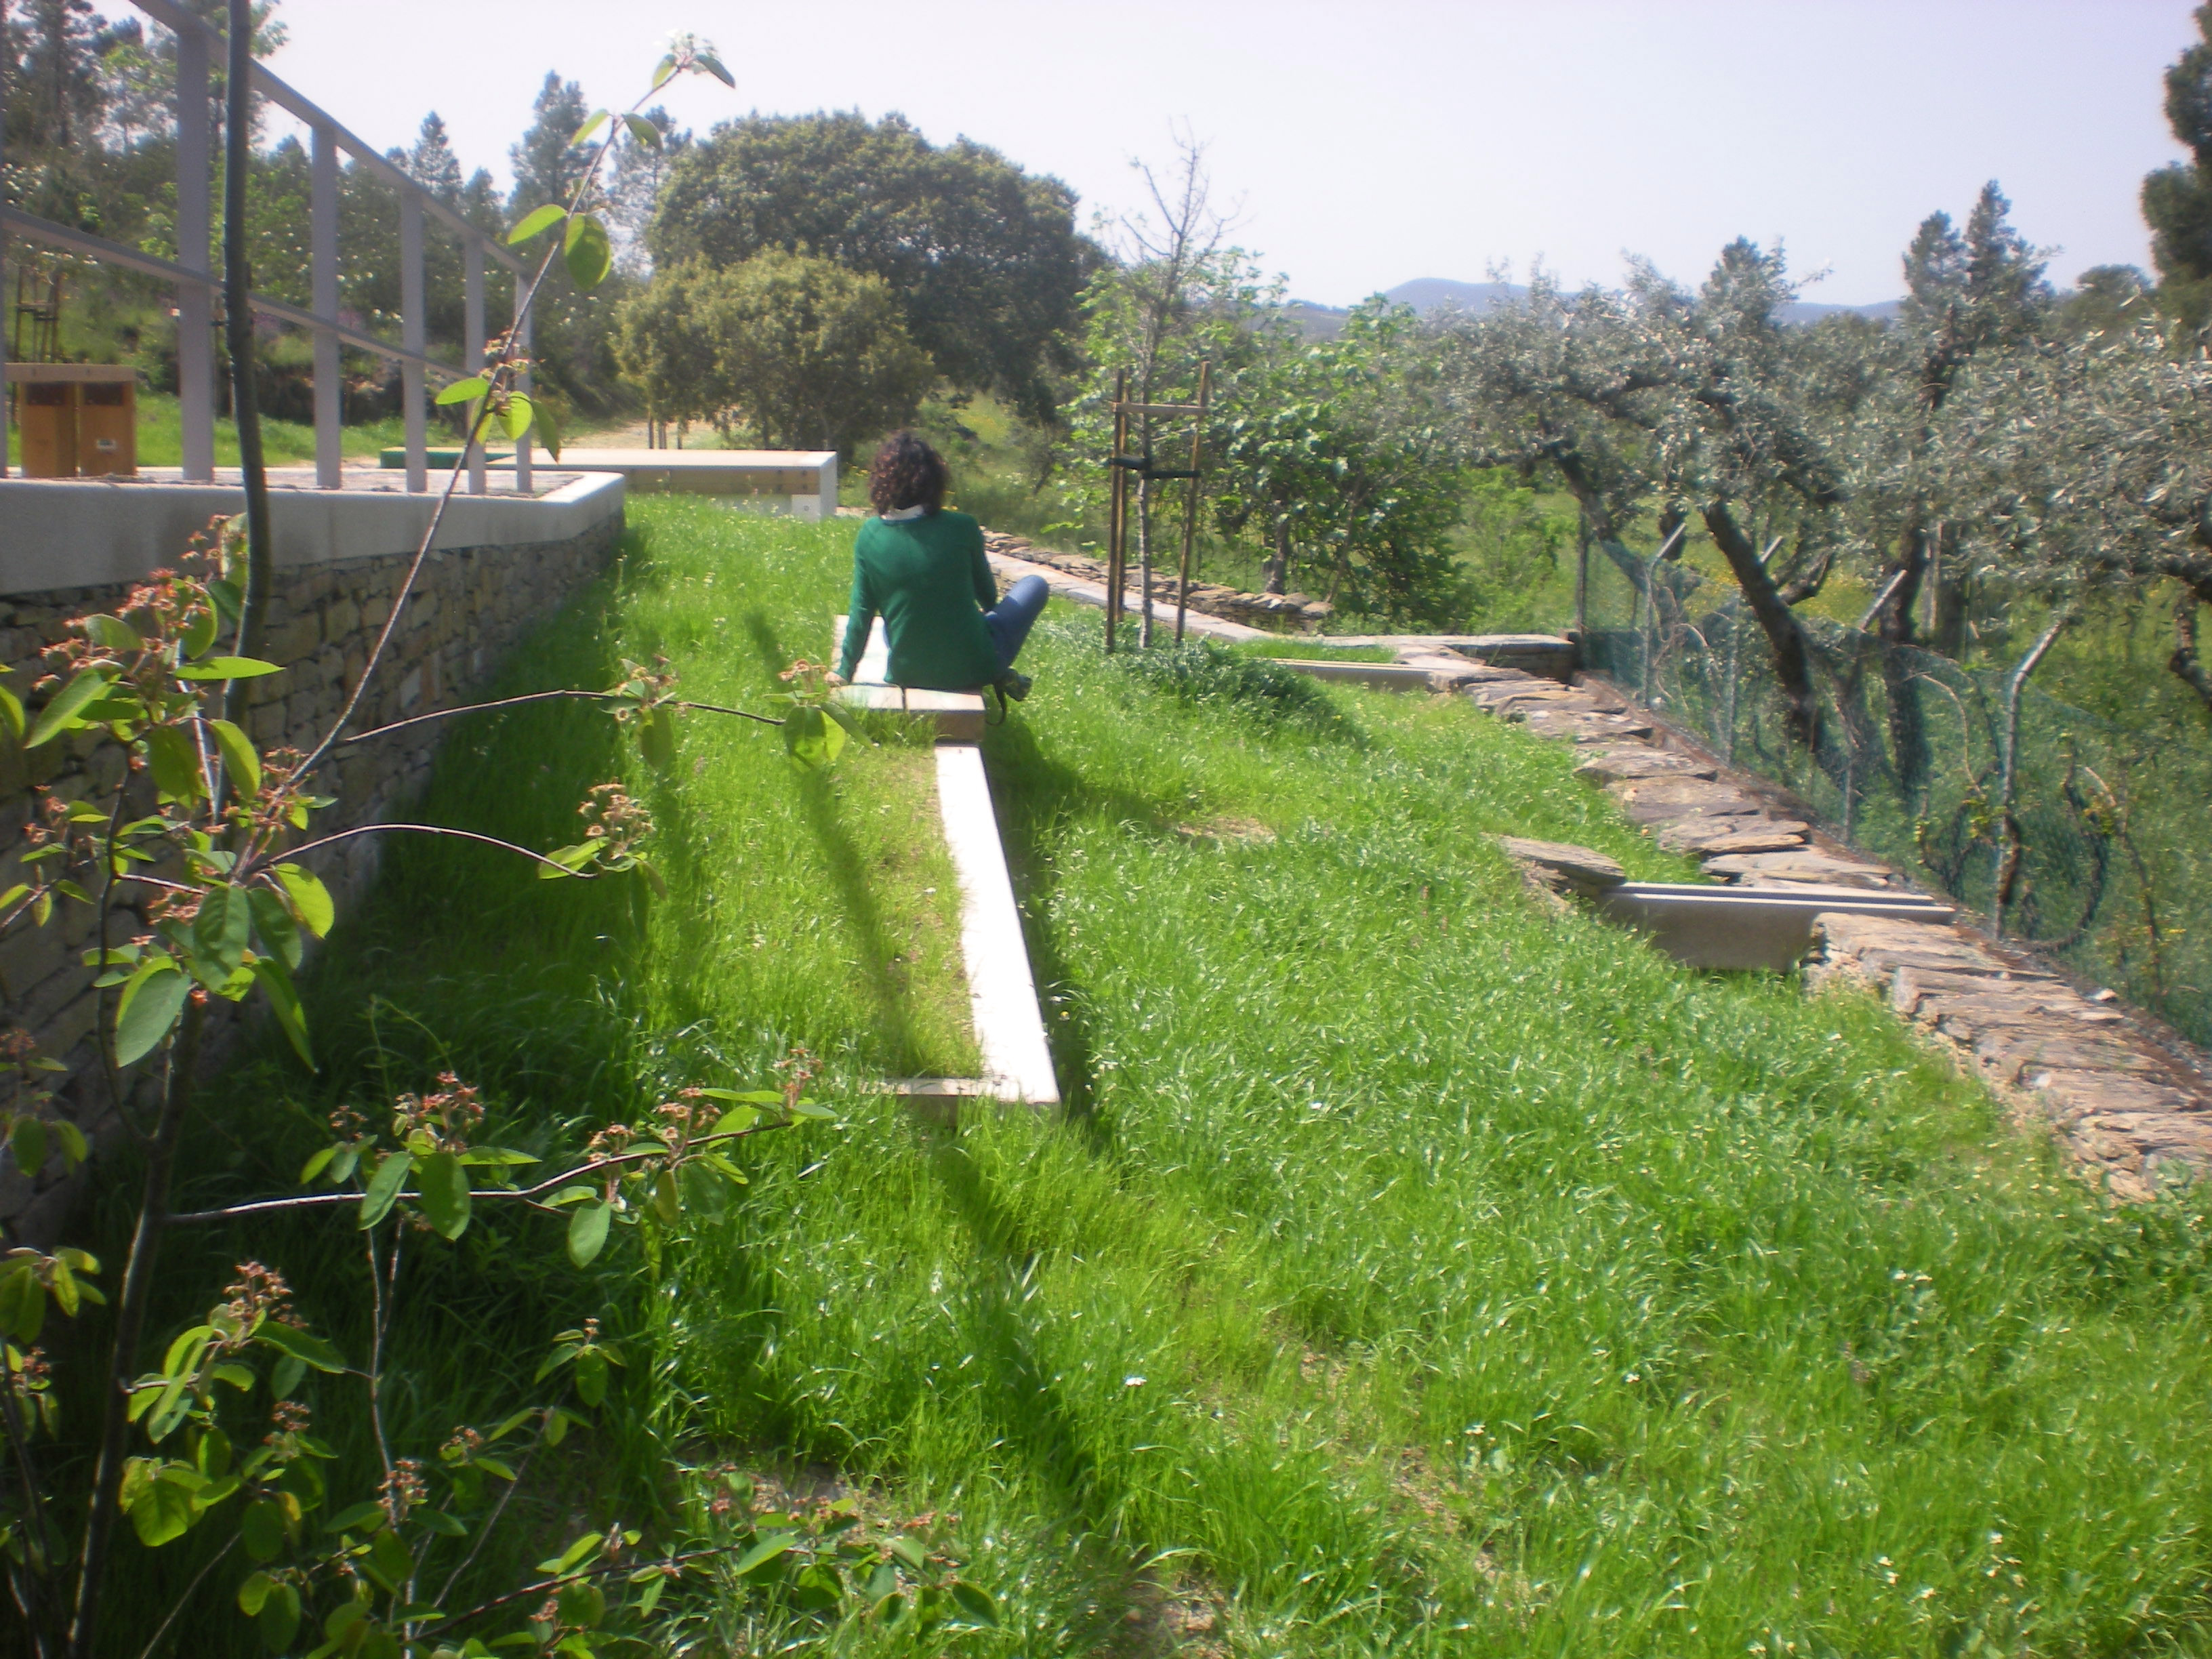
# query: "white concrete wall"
86,532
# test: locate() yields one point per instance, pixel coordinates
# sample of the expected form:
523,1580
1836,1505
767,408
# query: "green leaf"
356,1518
598,119
284,1002
812,739
239,759
310,897
174,762
438,1521
162,1512
643,130
587,1232
303,1345
535,219
461,391
261,1529
763,1553
22,1306
61,711
151,1003
228,668
665,1202
75,1148
224,928
656,738
589,255
909,1551
444,1185
27,1141
253,1594
112,634
315,1165
713,65
11,715
280,1618
592,1377
285,1376
274,932
384,1187
664,71
976,1604
582,1551
199,633
520,412
389,1558
549,429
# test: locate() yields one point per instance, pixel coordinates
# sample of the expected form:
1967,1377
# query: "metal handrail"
199,285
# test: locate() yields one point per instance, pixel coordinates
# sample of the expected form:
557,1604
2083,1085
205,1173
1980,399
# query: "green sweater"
928,580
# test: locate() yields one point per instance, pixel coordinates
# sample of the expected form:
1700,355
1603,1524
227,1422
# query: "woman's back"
928,580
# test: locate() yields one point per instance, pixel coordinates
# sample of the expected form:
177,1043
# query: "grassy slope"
1417,1271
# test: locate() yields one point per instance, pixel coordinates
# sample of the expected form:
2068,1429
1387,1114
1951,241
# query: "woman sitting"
922,570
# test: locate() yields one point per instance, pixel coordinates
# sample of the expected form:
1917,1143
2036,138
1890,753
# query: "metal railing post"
329,405
195,300
528,440
473,343
411,338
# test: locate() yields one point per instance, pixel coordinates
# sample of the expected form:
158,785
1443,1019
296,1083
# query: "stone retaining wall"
469,607
1281,613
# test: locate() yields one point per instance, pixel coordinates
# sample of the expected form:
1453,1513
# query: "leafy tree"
2177,199
800,350
1339,451
985,259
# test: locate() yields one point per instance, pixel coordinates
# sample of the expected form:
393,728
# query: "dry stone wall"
469,607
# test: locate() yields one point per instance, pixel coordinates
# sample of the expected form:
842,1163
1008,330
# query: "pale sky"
1367,145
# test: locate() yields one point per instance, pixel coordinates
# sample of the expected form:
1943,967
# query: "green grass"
1414,1271
1296,648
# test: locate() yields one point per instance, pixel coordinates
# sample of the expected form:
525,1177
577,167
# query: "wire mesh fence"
2101,855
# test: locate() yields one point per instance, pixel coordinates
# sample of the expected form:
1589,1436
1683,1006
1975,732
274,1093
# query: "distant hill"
1429,294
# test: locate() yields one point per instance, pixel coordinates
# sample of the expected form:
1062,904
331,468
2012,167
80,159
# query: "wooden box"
77,419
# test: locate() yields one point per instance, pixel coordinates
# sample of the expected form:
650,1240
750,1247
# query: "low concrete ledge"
1740,928
800,482
1001,993
62,533
1378,676
959,715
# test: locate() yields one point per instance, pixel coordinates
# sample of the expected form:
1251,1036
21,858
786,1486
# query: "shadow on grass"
1037,794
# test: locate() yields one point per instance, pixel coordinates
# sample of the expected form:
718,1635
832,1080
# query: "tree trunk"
1947,633
1893,626
1785,639
1145,552
2185,661
1279,566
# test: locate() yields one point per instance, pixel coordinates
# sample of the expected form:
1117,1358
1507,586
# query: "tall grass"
1413,1270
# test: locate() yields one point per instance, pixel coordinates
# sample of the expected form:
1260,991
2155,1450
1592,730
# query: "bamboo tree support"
1190,496
1118,506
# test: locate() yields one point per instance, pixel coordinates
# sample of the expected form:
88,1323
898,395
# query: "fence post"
524,383
411,338
472,342
7,394
329,406
1582,582
195,300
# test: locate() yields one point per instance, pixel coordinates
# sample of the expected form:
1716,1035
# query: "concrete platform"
58,533
959,714
800,482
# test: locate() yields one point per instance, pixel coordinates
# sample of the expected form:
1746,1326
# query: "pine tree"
2177,199
432,162
546,165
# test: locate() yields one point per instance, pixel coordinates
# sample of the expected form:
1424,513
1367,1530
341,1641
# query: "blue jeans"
1011,618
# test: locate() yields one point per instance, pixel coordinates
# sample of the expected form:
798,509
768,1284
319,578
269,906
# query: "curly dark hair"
907,472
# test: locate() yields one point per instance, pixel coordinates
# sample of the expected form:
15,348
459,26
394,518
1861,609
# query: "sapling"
197,863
